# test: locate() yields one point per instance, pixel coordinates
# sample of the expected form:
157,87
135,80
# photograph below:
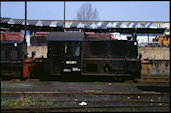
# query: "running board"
103,74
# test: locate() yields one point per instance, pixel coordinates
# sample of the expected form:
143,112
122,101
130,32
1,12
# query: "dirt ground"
36,85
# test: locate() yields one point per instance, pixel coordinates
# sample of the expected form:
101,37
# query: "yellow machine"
163,39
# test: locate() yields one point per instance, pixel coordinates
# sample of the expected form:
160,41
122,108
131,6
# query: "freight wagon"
11,36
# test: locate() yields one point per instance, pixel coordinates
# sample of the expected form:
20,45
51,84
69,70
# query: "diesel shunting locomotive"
73,52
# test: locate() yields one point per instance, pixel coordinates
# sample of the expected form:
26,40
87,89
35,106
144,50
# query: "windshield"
72,49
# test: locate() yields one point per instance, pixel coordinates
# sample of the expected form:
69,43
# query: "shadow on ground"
86,79
162,89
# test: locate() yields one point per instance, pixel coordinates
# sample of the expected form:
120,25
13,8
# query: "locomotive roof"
65,36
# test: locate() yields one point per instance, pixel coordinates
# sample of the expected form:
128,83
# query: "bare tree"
86,12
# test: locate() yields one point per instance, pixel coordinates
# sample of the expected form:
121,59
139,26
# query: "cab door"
56,51
72,57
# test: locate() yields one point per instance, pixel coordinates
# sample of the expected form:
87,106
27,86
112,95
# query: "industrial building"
146,30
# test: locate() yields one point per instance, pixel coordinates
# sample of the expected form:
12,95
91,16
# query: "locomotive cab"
12,56
64,53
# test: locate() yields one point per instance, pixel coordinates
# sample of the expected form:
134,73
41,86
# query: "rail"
82,93
70,109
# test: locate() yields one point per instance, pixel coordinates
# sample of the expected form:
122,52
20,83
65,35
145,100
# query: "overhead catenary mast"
64,15
25,27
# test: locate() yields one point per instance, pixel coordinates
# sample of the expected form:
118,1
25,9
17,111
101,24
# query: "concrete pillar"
148,38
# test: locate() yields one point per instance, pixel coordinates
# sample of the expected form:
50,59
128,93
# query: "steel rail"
125,101
83,93
56,109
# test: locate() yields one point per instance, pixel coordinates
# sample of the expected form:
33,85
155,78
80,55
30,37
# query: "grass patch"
20,102
24,102
46,103
7,102
97,82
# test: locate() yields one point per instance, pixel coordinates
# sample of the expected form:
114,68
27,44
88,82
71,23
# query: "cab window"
72,49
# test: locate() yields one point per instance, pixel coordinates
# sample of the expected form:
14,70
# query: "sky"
108,10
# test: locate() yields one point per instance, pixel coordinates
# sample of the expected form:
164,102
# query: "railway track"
96,101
